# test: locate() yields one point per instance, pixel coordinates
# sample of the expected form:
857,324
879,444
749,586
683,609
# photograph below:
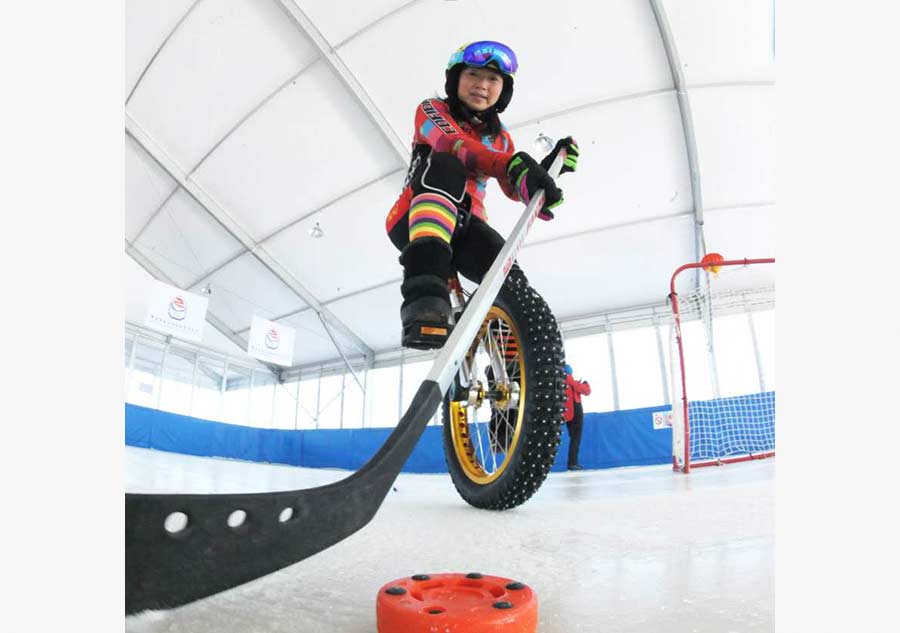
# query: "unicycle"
502,415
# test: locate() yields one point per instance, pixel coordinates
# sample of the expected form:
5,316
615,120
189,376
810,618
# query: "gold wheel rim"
466,444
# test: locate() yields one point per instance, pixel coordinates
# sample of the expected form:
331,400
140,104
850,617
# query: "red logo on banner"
273,339
177,309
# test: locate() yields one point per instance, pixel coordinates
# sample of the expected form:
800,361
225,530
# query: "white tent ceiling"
248,121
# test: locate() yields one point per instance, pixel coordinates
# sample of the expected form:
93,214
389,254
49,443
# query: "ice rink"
624,550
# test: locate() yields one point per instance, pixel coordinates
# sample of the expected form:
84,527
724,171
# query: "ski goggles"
481,54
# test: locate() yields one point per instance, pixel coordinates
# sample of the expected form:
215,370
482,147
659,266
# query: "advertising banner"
271,342
177,312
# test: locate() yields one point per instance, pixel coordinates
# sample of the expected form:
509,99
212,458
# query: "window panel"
696,361
413,375
735,360
208,402
353,401
129,344
309,393
178,376
764,324
285,411
663,332
637,368
261,395
589,358
383,391
330,402
237,395
144,383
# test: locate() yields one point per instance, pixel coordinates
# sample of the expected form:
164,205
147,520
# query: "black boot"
425,312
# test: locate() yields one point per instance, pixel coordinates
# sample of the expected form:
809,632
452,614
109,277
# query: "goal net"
722,362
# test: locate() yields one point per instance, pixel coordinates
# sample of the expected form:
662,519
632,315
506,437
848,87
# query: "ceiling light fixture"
543,144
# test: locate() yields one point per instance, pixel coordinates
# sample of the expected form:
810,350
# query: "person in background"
574,415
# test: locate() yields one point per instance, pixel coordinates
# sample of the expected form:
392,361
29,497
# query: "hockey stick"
164,570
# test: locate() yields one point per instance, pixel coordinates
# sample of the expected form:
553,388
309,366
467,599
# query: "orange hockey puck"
456,603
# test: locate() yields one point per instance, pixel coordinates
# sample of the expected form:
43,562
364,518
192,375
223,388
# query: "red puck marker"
456,603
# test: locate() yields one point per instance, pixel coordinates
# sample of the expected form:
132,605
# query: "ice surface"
624,550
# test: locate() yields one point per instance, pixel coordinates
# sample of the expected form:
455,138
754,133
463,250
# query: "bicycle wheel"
503,415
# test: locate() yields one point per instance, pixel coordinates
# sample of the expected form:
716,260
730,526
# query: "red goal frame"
673,296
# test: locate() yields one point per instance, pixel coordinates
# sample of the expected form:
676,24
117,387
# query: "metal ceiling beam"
329,53
379,20
550,240
607,100
201,353
159,49
190,172
590,104
379,285
320,209
609,227
687,122
630,97
659,218
763,83
208,204
145,263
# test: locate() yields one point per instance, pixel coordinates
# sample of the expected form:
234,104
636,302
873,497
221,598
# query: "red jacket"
574,390
483,156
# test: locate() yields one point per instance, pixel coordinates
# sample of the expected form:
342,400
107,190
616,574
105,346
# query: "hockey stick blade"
164,570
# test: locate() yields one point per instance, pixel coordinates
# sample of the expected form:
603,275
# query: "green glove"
570,147
527,176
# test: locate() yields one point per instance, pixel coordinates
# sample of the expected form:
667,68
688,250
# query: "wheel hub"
475,395
505,396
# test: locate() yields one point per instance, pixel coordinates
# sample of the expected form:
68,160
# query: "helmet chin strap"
478,117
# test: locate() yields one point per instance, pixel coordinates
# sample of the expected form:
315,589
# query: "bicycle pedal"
425,335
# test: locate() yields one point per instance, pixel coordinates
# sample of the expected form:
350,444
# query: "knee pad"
441,174
438,188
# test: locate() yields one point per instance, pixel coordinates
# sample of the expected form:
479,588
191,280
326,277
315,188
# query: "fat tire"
541,346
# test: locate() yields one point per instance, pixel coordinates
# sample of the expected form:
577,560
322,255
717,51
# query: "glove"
570,147
527,177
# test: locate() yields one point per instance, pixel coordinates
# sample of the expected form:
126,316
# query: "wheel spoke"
495,364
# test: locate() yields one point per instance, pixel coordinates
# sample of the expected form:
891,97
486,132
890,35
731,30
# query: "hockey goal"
722,362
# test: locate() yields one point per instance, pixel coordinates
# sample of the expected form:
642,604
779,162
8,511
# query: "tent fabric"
247,124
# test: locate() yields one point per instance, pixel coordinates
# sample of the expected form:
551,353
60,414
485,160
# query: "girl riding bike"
503,413
439,222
